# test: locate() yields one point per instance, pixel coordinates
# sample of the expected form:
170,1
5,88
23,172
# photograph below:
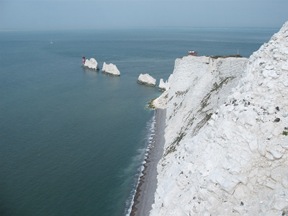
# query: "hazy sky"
95,14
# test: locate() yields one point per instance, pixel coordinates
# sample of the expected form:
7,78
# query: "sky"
111,14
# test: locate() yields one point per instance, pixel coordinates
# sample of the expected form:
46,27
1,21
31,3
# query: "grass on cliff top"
226,56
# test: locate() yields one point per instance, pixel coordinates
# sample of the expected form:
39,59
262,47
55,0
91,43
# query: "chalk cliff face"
226,148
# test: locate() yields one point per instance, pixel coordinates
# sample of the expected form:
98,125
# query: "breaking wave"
141,157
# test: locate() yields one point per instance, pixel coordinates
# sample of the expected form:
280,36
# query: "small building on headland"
192,52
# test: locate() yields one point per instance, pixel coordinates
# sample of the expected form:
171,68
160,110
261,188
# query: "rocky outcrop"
163,85
227,135
91,64
110,69
146,79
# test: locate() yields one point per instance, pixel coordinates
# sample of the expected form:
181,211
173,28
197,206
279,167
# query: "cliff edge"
226,148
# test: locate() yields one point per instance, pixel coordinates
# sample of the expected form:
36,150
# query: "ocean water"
72,140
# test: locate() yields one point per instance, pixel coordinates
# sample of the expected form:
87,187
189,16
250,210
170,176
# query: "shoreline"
147,184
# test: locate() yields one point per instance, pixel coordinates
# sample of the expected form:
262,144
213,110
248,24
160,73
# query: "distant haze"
110,14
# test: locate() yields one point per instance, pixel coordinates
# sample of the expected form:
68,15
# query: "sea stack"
110,69
226,135
91,63
164,85
146,79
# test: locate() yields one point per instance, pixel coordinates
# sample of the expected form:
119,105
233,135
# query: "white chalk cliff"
146,79
226,135
111,69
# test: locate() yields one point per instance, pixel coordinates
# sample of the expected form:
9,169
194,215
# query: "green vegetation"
226,56
201,123
180,93
205,115
216,87
175,143
151,105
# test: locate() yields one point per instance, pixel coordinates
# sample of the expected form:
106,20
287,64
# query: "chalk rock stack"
110,69
146,79
91,63
163,85
226,148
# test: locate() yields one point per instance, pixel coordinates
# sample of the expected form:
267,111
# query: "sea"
73,140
